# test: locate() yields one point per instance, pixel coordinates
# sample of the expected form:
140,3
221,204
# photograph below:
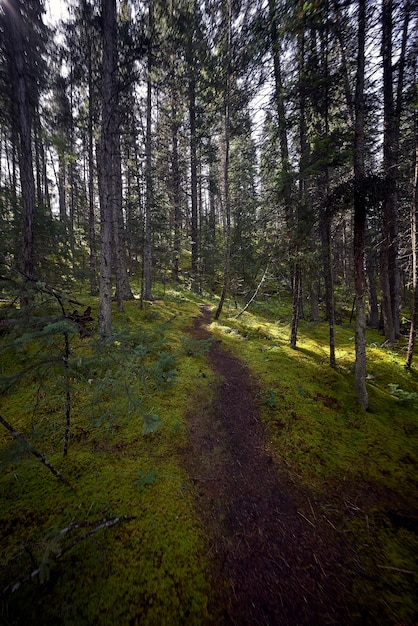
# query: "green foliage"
401,394
151,423
146,478
270,398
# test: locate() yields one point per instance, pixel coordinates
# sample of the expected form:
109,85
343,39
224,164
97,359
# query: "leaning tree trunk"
360,215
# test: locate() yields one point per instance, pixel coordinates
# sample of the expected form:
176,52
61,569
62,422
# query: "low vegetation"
122,542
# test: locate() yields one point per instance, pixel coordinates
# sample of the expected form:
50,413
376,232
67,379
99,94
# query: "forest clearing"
208,312
240,481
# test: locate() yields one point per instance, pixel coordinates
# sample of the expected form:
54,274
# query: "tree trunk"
147,251
391,114
294,226
325,228
414,235
123,289
360,215
325,218
175,173
281,116
23,122
227,200
296,302
372,264
105,167
90,149
193,158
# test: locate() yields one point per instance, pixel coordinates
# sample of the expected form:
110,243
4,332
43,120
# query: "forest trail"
275,559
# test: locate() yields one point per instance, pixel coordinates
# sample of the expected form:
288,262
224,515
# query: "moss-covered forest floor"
218,476
276,559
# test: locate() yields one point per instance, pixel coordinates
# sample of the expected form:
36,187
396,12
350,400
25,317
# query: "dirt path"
275,563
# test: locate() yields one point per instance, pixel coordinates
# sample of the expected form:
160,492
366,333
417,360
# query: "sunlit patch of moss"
315,424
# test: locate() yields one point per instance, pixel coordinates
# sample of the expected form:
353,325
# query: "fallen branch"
99,525
397,569
34,451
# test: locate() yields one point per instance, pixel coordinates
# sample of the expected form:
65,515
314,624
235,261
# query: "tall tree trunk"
325,218
414,236
227,199
18,55
325,229
123,289
175,173
90,149
391,114
286,190
294,232
105,167
147,251
360,215
193,155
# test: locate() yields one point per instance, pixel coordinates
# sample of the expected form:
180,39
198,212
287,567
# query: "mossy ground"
149,569
360,467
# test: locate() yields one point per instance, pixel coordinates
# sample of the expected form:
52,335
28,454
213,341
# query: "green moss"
151,569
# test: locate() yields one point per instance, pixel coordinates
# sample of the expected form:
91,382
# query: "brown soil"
276,560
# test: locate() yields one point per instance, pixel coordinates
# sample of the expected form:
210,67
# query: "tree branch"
34,451
98,525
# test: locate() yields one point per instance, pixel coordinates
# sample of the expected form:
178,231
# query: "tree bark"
147,251
360,214
392,117
175,182
414,237
227,199
193,155
105,167
90,149
18,55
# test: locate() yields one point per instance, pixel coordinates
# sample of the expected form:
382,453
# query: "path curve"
273,563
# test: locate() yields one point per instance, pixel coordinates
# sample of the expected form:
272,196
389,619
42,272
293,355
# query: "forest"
208,312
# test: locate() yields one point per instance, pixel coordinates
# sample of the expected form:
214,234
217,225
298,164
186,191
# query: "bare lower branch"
98,525
34,451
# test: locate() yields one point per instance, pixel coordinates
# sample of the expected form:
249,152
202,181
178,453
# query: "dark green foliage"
402,395
270,398
145,478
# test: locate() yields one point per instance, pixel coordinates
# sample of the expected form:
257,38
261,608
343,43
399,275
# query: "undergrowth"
123,545
129,399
